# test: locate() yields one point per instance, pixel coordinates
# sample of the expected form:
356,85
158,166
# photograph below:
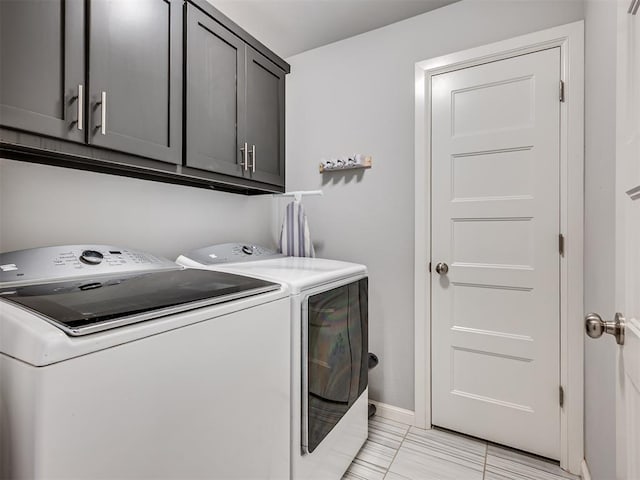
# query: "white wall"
599,294
357,95
43,205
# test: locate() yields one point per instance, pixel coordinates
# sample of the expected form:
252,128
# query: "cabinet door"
42,66
215,96
265,118
135,77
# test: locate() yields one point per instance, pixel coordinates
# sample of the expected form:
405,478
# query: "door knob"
442,268
595,327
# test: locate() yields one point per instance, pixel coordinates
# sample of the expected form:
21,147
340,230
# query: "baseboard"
394,413
584,471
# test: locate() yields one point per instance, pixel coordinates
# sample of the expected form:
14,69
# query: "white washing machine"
329,357
115,363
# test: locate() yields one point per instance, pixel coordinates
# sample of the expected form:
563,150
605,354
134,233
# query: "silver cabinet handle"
595,327
80,107
442,268
103,113
103,119
245,153
253,158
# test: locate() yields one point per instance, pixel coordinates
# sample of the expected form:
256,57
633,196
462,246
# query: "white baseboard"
394,413
585,471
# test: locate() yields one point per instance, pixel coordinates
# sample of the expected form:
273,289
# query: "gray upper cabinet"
168,90
235,104
265,119
135,77
42,70
215,96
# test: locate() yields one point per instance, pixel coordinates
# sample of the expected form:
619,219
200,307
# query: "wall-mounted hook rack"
355,162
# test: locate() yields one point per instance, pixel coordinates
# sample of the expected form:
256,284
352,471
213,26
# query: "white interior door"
495,223
628,242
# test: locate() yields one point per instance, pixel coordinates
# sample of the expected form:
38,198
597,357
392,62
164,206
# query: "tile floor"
395,451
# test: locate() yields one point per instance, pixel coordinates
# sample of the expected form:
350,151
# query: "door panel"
215,95
265,118
136,58
495,222
627,242
42,58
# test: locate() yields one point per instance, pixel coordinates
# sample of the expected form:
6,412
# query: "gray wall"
599,294
43,205
357,95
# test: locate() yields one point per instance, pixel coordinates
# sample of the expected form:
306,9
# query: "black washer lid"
94,304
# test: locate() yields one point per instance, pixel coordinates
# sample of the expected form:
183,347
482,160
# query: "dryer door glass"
337,332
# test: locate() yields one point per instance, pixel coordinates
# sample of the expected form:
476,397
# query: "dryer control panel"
69,261
231,253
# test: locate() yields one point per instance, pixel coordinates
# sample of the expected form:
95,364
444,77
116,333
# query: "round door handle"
595,327
442,268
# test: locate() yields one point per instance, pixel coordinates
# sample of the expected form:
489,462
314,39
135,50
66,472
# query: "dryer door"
335,364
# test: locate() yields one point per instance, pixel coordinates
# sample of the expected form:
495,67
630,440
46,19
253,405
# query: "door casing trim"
570,39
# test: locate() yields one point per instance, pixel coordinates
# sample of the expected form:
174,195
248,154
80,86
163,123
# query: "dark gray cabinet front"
42,70
135,77
169,90
265,118
235,104
215,96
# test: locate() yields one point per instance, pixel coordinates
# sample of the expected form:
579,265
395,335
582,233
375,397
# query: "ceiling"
289,27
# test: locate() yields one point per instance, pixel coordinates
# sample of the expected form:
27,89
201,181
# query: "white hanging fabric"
295,239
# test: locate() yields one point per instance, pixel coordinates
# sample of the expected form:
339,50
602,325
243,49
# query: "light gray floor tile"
390,425
445,439
387,432
395,476
360,470
377,454
503,463
434,454
395,451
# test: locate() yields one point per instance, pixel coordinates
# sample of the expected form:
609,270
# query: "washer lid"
300,273
99,303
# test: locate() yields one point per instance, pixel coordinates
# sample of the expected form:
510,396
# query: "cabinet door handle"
103,113
80,107
245,153
253,158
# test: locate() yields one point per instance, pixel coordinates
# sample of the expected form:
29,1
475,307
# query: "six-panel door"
215,96
135,76
42,77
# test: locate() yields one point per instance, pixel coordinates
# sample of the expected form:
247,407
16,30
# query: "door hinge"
561,244
561,396
429,267
561,91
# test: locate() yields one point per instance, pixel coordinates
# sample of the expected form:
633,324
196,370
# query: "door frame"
570,39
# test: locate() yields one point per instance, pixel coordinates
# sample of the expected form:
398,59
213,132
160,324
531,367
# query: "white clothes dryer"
329,350
116,363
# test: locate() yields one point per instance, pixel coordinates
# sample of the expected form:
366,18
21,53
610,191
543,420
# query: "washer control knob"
248,249
91,257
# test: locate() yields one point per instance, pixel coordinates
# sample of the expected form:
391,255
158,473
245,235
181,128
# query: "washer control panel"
57,263
231,253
